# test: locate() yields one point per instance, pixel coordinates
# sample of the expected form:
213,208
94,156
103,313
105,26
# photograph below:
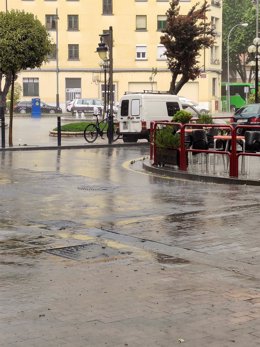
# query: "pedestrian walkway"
95,251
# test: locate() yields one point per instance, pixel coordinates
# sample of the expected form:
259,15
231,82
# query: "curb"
85,146
198,177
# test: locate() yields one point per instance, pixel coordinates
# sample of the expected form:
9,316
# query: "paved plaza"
95,251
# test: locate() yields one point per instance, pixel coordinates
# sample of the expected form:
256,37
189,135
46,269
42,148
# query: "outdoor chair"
210,136
199,139
252,141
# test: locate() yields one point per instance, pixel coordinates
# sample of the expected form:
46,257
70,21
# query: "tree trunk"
11,112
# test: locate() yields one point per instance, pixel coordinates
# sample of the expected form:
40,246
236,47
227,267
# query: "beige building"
137,24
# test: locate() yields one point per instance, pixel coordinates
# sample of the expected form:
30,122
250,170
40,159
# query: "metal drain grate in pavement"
168,259
88,251
93,188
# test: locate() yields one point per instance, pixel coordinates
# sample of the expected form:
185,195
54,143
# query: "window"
30,86
73,52
53,54
107,6
124,108
214,86
105,91
73,22
50,21
215,25
161,22
214,55
73,88
172,108
141,23
160,52
135,105
140,52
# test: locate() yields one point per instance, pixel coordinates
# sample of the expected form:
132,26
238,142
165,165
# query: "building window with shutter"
73,22
107,6
73,52
161,23
141,52
50,21
30,86
141,23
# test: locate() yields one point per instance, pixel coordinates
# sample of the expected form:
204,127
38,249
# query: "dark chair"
210,136
199,139
252,141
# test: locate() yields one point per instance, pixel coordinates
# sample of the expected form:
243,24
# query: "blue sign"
36,107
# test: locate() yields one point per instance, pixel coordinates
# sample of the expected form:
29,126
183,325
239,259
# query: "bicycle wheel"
104,127
116,134
91,133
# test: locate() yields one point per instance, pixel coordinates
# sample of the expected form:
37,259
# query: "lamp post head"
244,24
102,51
256,41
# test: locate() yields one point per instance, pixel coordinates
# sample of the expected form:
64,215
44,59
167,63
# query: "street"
97,252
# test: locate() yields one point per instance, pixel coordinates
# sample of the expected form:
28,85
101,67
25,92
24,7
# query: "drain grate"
168,259
88,251
93,188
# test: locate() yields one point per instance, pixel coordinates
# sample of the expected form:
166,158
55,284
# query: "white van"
136,111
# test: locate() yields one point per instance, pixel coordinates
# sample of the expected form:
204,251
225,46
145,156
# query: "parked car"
69,105
87,105
26,107
248,113
192,109
201,109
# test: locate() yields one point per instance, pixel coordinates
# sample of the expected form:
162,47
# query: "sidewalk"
95,252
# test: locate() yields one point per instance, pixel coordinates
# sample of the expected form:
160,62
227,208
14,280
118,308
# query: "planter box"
167,156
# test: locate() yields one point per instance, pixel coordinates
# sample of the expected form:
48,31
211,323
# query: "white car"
69,105
199,108
86,105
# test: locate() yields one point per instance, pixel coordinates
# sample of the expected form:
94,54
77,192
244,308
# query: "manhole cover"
87,251
168,259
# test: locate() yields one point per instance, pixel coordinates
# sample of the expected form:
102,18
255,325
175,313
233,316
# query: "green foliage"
74,127
17,95
185,36
167,138
205,119
182,117
251,98
24,41
235,12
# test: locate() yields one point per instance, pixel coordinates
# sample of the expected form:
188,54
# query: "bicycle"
92,130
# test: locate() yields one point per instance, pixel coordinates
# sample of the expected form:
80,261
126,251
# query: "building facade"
75,69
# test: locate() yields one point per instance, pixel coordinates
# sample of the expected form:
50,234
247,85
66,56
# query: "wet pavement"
95,251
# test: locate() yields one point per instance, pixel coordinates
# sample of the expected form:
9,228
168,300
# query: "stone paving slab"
207,294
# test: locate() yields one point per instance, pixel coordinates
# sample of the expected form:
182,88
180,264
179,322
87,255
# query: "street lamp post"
102,50
255,48
57,61
228,72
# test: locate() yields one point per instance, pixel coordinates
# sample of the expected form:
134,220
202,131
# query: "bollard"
59,131
2,115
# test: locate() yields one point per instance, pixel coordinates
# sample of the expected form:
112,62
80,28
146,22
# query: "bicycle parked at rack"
92,130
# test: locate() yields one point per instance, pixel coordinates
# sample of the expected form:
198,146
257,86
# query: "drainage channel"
106,246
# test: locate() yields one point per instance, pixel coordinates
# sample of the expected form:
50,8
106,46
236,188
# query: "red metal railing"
233,154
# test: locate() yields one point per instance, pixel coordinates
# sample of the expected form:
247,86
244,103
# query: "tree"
185,36
235,12
24,43
16,97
